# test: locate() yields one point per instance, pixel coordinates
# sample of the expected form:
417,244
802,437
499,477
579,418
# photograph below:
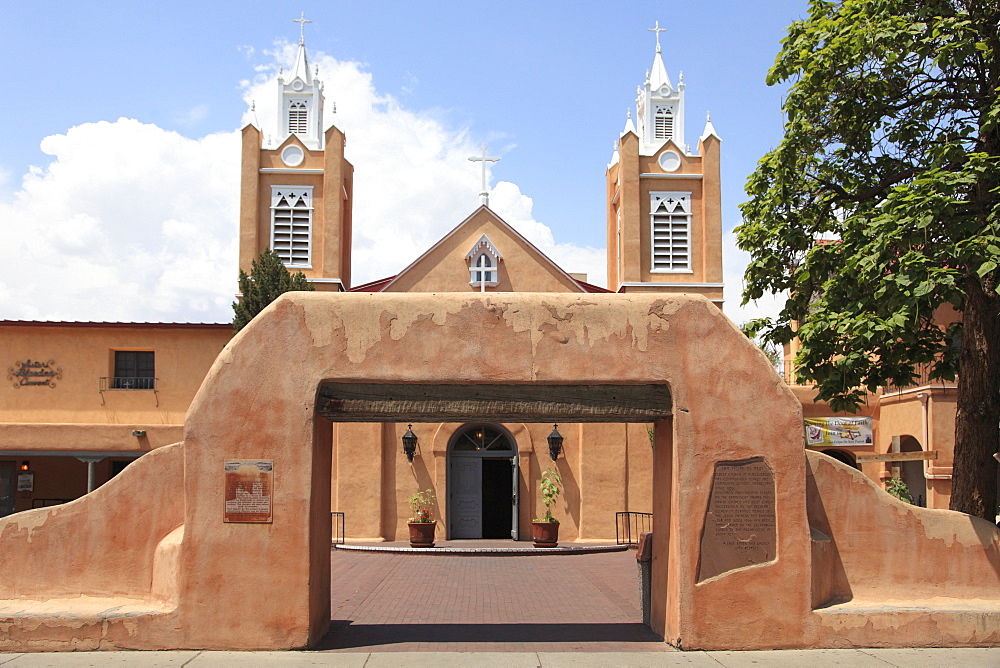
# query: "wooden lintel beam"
386,402
897,457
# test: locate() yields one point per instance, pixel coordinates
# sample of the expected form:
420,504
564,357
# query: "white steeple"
659,105
301,99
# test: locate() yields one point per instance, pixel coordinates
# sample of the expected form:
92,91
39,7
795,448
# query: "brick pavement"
405,602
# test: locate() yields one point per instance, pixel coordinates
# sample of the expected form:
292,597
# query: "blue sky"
547,86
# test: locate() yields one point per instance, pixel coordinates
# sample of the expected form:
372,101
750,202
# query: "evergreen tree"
268,280
880,209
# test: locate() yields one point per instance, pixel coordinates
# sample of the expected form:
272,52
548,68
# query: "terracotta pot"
545,534
422,534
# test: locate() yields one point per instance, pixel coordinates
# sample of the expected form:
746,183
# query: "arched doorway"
912,472
841,456
482,483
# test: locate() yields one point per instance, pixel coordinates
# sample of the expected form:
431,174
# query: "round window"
292,156
669,161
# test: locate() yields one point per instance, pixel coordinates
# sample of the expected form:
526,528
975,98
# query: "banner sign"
839,431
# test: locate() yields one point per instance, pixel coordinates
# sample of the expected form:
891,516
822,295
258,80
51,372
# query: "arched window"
484,264
485,272
298,117
480,438
663,123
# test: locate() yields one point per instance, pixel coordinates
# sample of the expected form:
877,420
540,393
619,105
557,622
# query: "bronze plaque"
739,528
249,484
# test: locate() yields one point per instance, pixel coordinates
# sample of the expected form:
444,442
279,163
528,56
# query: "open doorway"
482,484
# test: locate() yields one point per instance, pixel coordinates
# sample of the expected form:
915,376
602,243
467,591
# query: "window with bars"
298,117
134,370
291,224
670,228
663,123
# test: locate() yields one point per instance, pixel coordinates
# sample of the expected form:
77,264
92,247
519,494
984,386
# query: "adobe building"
248,442
85,399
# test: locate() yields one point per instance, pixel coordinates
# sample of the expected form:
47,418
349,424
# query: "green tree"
769,349
880,205
268,280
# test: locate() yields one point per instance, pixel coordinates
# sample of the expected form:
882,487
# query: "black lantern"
555,442
409,443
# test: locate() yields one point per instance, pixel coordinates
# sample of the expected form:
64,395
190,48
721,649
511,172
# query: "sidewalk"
879,658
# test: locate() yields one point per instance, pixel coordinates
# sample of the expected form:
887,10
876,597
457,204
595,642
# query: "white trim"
287,170
305,194
673,285
670,234
324,280
671,271
671,176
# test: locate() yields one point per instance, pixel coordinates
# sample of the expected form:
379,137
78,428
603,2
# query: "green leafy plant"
551,487
422,505
898,489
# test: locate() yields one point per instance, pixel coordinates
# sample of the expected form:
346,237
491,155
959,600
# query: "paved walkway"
557,610
406,602
820,658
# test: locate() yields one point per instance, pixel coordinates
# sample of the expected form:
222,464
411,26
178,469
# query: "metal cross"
657,30
484,195
302,21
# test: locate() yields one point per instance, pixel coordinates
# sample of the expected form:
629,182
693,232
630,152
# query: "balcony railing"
128,383
923,379
789,372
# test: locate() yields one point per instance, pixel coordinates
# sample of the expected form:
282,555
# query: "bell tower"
664,218
296,186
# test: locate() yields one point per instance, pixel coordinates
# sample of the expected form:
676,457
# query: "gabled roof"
508,229
372,286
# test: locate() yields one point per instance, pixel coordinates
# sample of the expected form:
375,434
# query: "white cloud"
96,234
734,262
193,116
131,222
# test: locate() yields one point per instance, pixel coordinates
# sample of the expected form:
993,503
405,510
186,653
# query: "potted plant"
545,531
422,523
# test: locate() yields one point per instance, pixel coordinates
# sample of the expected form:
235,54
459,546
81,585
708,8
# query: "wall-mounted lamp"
25,465
138,433
409,443
555,442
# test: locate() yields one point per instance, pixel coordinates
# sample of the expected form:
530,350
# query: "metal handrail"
337,526
629,525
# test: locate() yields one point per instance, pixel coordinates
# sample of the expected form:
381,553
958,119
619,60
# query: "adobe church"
84,399
664,235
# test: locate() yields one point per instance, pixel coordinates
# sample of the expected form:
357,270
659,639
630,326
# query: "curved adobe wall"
921,552
250,585
102,544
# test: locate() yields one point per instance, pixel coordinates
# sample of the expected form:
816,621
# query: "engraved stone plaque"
739,528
